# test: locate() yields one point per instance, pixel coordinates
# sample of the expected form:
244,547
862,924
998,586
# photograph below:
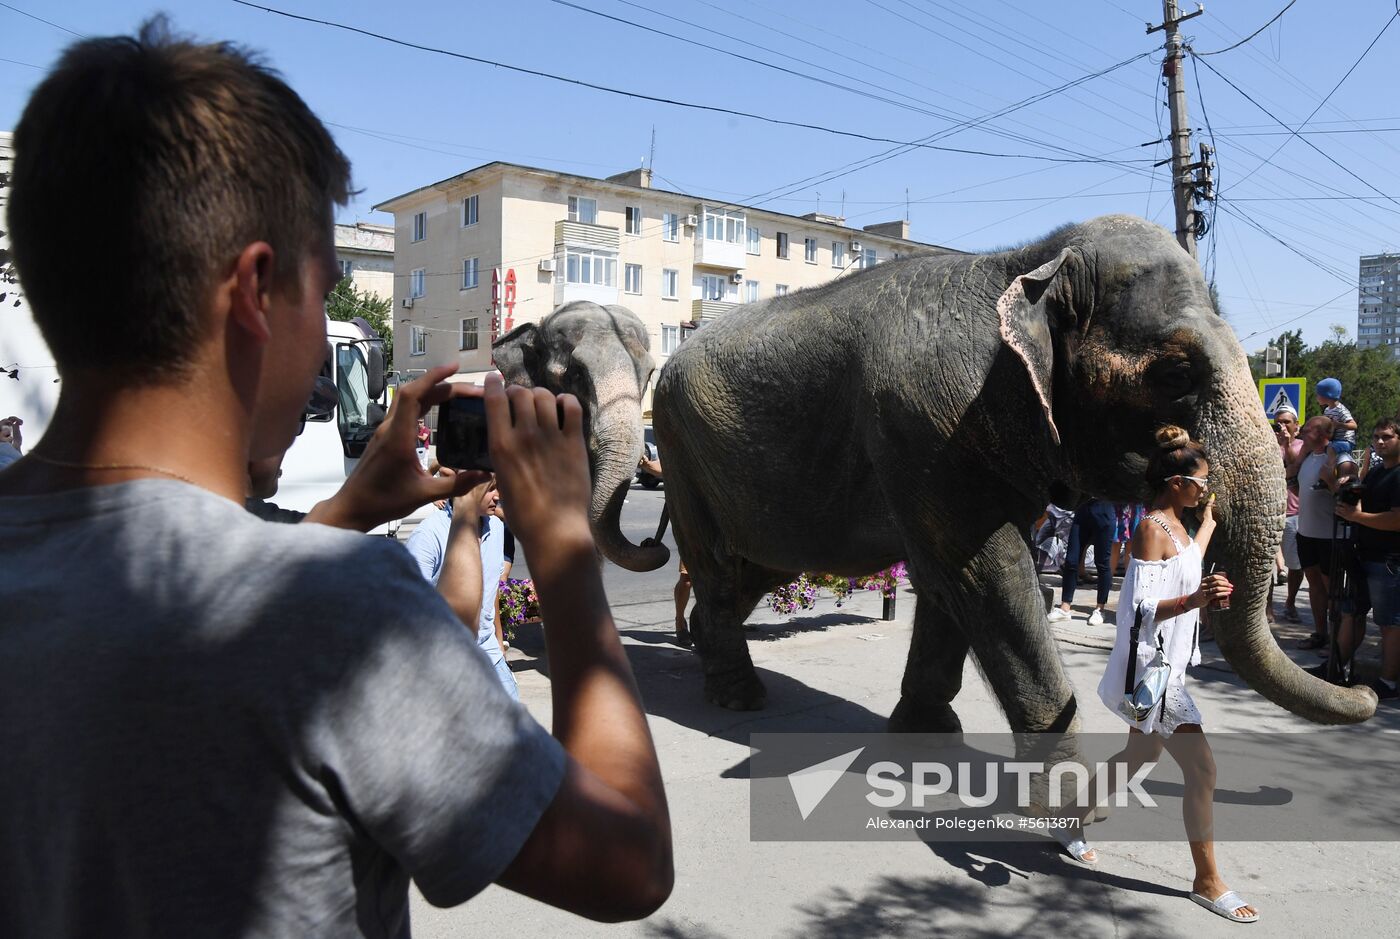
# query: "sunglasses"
1203,483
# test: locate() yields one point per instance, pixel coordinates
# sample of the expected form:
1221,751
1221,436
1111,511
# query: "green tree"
345,303
1370,378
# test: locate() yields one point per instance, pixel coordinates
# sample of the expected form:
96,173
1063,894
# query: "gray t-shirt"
1317,508
215,726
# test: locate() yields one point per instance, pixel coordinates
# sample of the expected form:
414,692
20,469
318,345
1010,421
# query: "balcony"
584,235
721,254
709,309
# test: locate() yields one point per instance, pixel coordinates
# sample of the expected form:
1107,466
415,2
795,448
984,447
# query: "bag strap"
1131,681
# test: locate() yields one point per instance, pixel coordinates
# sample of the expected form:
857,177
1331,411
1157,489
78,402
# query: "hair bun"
1172,437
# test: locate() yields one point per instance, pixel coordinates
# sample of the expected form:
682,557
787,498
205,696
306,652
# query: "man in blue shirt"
454,547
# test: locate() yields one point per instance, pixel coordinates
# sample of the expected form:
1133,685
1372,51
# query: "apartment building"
365,253
502,244
1378,302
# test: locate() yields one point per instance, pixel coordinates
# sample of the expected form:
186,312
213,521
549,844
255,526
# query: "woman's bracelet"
1180,605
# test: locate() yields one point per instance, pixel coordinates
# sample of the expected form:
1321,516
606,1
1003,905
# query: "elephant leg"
997,602
725,595
933,673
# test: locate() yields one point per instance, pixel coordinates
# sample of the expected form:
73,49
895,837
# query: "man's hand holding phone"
536,445
389,482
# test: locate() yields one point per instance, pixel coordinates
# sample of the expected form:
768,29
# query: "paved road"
838,670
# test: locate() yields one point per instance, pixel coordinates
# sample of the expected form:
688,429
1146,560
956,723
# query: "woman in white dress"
1164,581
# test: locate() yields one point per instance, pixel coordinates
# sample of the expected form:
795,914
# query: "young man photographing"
213,725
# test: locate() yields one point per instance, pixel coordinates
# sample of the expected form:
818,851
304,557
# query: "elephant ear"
517,355
1030,310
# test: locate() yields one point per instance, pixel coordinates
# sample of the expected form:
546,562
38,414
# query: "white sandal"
1076,846
1226,905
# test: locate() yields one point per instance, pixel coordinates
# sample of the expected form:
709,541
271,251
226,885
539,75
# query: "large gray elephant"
922,410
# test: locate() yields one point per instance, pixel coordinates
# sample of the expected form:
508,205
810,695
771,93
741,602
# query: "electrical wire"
1391,19
41,20
684,104
1246,39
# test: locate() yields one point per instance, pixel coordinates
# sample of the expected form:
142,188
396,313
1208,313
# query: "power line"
41,20
1272,330
1391,19
1246,39
691,105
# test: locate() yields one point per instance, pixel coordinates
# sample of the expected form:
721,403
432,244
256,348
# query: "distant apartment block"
1378,302
365,254
502,244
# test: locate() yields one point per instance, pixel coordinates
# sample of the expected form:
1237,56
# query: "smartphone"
461,434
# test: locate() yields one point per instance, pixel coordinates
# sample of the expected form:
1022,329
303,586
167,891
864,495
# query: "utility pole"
1183,185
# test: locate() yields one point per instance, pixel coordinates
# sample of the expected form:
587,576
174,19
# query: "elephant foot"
911,717
736,689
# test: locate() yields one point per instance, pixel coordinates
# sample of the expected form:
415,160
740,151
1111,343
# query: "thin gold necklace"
69,464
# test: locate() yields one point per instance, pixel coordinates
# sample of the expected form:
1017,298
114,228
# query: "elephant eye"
1174,379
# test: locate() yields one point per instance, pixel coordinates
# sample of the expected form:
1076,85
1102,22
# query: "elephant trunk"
1247,471
615,446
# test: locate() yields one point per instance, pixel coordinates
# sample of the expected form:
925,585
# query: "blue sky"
1297,212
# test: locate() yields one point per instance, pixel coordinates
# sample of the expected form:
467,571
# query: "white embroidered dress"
1146,582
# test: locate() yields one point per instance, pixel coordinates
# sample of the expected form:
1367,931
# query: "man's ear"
1032,309
517,355
252,276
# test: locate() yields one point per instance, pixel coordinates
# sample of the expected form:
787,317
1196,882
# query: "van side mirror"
376,368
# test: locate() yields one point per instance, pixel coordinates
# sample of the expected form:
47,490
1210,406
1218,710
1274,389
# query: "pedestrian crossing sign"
1275,393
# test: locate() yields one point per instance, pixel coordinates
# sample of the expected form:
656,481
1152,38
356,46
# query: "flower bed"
802,593
516,605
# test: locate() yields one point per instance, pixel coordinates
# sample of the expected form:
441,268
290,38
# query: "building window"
583,210
471,267
713,286
634,220
725,225
838,254
587,267
670,338
417,340
809,250
416,282
755,240
750,291
467,338
780,290
670,284
782,244
346,267
670,226
632,278
420,226
468,211
868,260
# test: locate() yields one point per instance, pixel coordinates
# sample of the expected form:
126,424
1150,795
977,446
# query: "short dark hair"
1176,455
1387,423
180,154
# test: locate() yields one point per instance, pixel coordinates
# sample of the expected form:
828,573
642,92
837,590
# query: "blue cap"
1329,388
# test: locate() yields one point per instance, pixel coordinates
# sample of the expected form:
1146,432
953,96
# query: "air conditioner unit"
692,220
547,265
736,278
855,247
408,303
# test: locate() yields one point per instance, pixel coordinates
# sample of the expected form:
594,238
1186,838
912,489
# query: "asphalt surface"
838,670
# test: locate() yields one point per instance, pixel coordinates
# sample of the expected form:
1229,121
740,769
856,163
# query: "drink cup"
1222,604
